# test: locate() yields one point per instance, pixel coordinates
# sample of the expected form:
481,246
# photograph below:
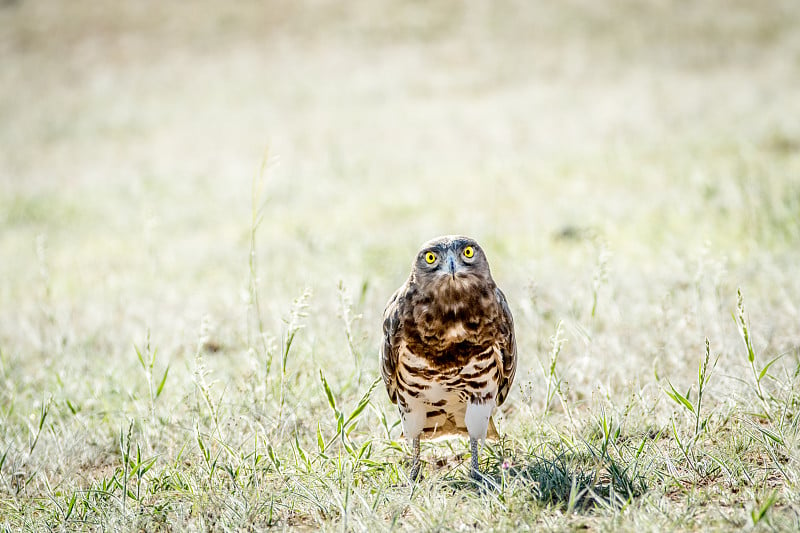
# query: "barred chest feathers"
449,353
448,360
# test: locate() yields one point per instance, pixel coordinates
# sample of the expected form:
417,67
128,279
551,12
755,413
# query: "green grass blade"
274,457
320,439
363,402
140,356
679,398
328,392
766,367
71,506
163,381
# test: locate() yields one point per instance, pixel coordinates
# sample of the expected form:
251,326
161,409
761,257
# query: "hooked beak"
451,265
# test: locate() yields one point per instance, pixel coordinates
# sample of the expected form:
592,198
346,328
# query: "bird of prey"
449,355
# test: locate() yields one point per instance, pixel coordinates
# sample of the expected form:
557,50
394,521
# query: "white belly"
437,403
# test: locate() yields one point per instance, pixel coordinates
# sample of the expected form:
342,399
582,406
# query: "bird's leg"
475,472
476,419
415,464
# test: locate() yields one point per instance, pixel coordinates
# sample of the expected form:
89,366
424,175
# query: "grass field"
204,208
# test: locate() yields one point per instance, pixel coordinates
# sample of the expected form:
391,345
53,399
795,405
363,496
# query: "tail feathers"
491,432
450,429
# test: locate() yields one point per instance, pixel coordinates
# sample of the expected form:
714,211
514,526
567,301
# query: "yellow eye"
468,251
430,257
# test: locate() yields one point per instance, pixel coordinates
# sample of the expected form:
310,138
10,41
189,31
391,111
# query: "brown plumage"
449,354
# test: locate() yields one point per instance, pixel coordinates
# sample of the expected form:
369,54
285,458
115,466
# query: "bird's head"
451,262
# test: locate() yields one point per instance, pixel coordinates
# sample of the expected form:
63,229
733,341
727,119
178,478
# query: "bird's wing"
508,347
389,348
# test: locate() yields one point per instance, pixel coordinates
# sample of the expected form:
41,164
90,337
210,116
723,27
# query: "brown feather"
449,332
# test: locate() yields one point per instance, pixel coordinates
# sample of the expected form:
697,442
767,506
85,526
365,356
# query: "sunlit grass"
189,323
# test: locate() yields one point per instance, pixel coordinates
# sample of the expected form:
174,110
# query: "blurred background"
188,188
624,149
